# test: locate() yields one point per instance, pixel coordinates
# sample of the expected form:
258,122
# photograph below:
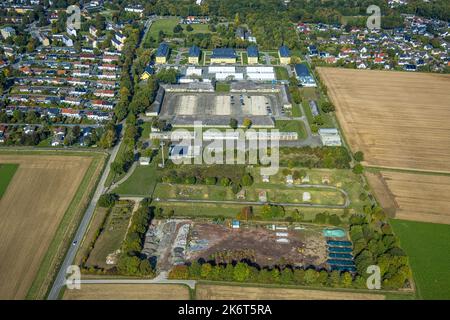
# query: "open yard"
428,249
112,235
397,119
222,292
38,211
413,196
129,292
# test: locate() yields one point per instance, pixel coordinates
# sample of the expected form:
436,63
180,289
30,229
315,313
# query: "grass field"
129,292
224,292
397,119
111,237
167,24
7,171
281,73
141,182
40,195
428,248
222,87
414,196
291,126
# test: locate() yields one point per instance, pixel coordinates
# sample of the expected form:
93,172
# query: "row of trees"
173,176
375,244
242,272
130,261
325,157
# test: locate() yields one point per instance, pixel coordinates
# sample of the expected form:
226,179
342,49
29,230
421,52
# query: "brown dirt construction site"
31,211
400,121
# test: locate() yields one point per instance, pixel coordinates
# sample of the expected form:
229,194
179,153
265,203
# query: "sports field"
428,248
397,119
222,292
34,210
129,292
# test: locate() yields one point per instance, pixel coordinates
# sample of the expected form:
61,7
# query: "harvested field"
31,211
219,292
419,197
398,119
128,292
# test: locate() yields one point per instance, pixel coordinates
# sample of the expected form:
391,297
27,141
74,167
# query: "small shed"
306,196
265,178
262,195
289,179
235,224
306,179
144,161
241,195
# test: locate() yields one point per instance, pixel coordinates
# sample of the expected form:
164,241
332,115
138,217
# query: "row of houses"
220,55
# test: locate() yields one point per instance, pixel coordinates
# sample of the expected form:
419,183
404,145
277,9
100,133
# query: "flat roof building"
304,76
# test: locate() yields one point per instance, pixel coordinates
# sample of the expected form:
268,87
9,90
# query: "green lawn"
222,87
291,126
428,248
140,183
281,73
7,171
165,25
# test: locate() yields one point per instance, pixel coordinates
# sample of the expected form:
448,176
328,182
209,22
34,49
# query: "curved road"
60,279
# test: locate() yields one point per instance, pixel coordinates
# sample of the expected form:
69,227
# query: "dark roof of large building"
163,50
252,51
284,51
223,53
194,51
302,70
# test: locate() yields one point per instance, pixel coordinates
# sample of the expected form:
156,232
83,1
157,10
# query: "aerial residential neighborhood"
224,150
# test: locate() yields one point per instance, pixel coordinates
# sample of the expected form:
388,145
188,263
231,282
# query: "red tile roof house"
104,93
71,113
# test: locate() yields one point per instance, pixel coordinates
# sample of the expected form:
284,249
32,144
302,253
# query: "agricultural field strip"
398,120
37,195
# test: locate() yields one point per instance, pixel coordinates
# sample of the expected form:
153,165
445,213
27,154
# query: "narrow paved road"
60,279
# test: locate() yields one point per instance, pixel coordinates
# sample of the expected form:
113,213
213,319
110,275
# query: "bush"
358,169
359,156
247,180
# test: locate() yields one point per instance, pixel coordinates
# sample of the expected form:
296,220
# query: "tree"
247,180
107,200
233,123
246,213
225,182
241,272
359,156
247,123
189,28
145,268
346,280
177,29
179,272
311,276
205,270
327,107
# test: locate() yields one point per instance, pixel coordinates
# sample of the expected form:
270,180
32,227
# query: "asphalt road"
60,279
